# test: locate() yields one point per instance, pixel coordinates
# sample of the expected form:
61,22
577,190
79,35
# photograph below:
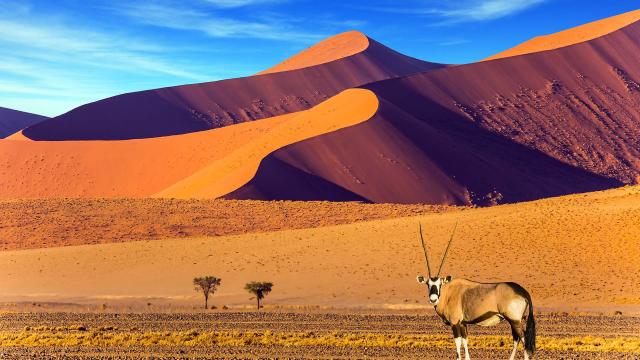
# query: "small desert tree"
208,285
259,290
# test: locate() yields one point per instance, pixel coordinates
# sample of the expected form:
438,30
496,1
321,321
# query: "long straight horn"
444,257
426,257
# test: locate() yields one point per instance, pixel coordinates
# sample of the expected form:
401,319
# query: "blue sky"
57,55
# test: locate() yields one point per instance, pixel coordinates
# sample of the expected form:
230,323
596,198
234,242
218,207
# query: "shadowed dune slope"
12,121
204,164
346,109
188,108
571,242
571,36
513,129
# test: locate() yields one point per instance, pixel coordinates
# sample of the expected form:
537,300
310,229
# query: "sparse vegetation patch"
308,338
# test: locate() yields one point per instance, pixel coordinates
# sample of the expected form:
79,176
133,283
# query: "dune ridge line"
350,107
571,36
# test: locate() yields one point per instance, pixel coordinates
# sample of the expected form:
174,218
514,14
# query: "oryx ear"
421,279
448,278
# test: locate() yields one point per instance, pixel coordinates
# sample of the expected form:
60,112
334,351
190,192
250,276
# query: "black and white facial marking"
434,285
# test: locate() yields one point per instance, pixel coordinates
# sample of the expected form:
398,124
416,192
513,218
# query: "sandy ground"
41,223
577,253
571,36
552,329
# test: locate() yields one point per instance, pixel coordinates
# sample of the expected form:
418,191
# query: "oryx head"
434,283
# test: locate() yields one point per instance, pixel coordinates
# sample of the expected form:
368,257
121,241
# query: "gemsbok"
461,302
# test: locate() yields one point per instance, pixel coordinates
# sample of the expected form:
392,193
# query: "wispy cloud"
480,10
182,17
100,49
49,57
450,12
453,42
240,3
15,8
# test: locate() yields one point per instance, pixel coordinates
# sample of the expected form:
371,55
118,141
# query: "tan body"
469,302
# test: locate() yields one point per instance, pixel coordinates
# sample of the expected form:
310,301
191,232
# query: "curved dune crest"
346,109
334,48
571,36
18,136
128,168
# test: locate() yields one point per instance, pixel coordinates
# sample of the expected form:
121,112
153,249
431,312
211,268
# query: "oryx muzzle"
460,302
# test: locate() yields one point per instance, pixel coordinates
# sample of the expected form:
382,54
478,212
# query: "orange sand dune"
334,48
209,163
346,109
129,168
571,36
572,252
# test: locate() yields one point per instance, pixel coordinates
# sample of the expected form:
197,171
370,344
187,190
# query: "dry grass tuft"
333,339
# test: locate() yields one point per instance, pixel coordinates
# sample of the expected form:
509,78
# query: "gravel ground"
548,325
284,353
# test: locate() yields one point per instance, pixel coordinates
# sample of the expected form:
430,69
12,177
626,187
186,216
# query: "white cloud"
179,17
479,10
15,8
95,48
453,42
458,11
239,3
56,64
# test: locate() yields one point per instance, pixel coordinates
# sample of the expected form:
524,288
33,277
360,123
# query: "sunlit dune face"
19,136
348,108
571,36
334,48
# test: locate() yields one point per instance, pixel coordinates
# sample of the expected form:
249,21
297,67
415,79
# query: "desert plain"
344,288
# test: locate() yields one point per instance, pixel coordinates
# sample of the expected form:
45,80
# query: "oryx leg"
457,337
463,332
518,335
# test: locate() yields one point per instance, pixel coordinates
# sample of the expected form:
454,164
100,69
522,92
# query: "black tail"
530,331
